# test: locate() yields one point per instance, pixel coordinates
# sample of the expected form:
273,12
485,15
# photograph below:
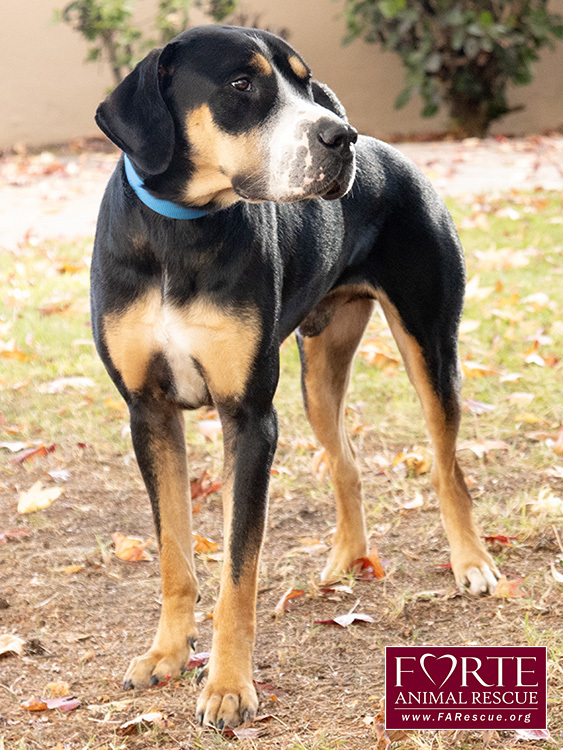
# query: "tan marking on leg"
223,341
262,65
298,67
170,649
129,336
467,551
328,360
217,157
229,694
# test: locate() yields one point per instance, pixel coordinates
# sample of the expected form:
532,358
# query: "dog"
246,207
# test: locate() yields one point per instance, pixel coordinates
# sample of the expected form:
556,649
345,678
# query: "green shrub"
459,54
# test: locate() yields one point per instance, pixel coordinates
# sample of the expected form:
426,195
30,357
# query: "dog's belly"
188,352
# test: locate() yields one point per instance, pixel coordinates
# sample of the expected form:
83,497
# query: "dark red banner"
465,687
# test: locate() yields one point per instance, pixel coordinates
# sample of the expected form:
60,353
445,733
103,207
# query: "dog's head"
226,113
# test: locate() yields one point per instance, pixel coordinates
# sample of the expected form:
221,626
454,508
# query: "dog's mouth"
334,191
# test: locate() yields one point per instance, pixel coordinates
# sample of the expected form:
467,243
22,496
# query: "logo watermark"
465,687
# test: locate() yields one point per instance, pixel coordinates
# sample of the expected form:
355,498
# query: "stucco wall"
48,94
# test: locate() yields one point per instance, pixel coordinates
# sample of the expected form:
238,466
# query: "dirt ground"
83,627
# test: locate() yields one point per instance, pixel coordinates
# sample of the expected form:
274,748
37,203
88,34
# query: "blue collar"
162,207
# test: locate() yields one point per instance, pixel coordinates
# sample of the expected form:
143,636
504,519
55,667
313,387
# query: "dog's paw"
476,572
227,704
156,666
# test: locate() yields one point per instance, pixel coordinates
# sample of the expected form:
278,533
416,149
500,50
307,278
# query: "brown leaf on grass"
477,370
37,497
10,535
203,616
16,354
131,549
71,268
30,454
210,428
115,404
143,723
368,568
203,486
347,619
558,445
508,541
269,690
378,353
43,704
286,600
506,589
198,660
53,307
481,447
414,461
57,689
11,644
203,545
477,407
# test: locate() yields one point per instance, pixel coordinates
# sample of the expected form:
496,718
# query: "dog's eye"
242,84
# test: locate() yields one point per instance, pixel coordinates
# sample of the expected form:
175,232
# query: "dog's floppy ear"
135,116
328,99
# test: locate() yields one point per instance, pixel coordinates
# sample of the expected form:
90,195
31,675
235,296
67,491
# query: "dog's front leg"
250,435
157,429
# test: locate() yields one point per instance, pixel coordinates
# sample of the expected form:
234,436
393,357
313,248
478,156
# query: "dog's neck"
158,205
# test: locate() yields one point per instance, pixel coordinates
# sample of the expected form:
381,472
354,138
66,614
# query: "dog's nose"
337,136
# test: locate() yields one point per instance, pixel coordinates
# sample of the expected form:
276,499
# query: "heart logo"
452,659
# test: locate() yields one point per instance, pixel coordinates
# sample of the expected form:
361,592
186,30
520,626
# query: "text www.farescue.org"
463,716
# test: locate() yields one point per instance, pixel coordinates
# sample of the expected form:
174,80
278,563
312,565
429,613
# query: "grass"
515,299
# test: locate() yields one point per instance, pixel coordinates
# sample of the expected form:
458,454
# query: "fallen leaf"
558,445
131,548
481,447
416,502
547,502
286,600
345,620
143,723
369,567
70,569
44,704
16,354
198,660
13,534
58,689
415,462
11,644
506,589
203,545
203,616
378,353
477,407
509,541
61,385
32,453
532,734
477,370
556,574
270,690
115,404
37,497
203,486
210,428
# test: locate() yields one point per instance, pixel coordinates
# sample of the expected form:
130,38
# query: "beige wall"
48,94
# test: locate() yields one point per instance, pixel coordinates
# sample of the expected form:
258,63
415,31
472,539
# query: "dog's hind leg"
326,359
433,369
157,429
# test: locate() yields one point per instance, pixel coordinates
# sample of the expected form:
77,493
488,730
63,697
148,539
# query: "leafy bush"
108,26
460,54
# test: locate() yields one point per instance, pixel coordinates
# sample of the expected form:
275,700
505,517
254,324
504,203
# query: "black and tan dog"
245,208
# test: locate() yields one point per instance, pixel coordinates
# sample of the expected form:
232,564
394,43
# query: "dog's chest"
207,349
